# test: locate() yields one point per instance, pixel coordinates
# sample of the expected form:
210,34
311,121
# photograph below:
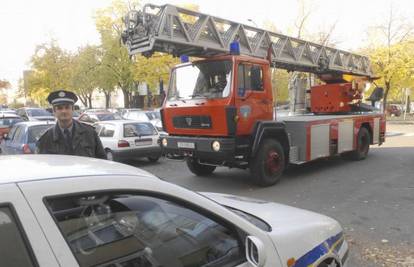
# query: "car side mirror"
255,252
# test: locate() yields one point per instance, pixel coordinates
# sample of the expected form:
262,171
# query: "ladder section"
179,31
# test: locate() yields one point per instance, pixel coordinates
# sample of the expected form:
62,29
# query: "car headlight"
215,146
164,142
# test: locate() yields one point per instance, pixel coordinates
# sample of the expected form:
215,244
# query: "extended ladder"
179,31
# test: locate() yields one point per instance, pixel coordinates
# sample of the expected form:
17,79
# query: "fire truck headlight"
215,146
164,142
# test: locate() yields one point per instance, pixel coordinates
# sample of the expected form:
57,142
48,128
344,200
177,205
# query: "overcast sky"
26,23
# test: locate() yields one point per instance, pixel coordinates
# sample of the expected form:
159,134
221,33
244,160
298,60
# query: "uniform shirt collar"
70,128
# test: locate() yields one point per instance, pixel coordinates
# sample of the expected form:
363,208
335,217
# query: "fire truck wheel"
268,165
199,169
363,142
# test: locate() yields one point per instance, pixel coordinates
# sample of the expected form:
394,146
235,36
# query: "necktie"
68,141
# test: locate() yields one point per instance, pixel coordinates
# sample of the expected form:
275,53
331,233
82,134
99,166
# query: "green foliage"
152,70
51,67
280,83
394,65
85,73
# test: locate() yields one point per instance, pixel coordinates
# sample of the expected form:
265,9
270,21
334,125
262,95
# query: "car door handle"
173,105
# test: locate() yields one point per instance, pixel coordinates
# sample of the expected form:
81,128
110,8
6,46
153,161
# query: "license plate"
186,145
143,142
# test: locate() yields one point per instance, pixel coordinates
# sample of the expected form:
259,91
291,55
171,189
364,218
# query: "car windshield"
207,79
108,117
254,220
153,115
138,129
38,112
9,122
35,132
138,115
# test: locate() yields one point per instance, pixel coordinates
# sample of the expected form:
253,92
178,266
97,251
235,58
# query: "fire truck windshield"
205,79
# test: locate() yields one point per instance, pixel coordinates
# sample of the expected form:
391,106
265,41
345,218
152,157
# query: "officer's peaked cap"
62,97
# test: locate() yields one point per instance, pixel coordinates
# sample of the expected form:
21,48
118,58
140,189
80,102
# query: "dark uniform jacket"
85,142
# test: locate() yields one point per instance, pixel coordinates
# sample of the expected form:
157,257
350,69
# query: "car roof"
121,122
99,113
43,167
8,115
27,108
33,123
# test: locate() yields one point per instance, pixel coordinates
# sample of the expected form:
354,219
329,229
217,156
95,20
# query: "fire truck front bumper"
211,149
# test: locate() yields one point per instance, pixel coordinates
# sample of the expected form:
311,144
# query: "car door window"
124,229
107,130
14,249
12,132
18,135
98,128
85,118
250,77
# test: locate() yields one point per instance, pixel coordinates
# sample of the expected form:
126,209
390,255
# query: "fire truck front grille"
192,122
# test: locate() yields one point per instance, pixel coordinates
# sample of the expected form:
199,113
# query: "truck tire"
268,165
153,159
199,169
363,142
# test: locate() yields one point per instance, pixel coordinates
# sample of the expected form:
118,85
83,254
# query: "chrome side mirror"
255,251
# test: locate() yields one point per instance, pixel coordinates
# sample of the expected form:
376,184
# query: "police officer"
69,137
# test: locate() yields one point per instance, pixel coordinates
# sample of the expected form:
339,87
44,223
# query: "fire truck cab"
219,112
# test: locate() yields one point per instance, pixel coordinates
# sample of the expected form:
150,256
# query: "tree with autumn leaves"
4,85
105,67
391,51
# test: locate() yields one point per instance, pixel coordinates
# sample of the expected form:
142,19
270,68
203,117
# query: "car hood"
295,232
42,118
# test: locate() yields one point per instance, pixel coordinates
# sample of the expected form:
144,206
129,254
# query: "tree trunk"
126,97
387,89
90,101
107,99
83,100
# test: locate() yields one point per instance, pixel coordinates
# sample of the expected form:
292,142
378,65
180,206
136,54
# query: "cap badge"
62,94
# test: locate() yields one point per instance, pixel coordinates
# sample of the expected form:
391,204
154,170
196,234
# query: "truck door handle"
264,101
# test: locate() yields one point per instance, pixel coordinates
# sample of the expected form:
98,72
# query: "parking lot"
373,199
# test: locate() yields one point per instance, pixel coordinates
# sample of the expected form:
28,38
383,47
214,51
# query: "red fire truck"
219,108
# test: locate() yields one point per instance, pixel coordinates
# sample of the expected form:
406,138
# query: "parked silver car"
128,139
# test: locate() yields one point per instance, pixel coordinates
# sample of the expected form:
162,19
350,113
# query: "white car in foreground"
128,139
75,211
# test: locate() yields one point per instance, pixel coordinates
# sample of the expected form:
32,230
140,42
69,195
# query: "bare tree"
386,54
305,11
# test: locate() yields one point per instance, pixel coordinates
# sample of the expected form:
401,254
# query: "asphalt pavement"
373,199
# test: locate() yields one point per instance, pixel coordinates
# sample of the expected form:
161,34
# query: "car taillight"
123,143
26,149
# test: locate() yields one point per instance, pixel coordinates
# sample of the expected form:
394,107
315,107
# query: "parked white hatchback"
127,139
75,211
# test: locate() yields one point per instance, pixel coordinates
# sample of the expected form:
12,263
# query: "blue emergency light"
184,58
235,48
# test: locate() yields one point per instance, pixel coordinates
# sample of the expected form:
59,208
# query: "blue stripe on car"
333,243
